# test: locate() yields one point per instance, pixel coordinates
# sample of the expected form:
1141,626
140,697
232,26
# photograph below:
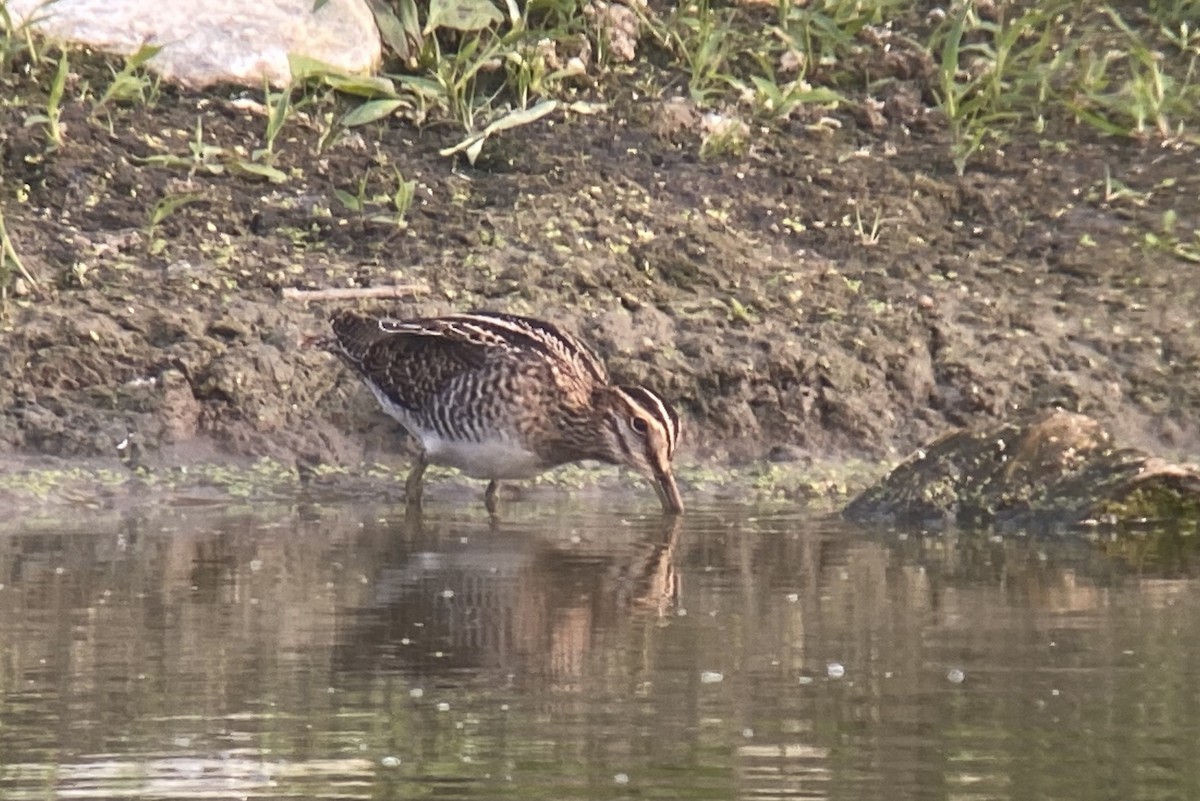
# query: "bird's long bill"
668,493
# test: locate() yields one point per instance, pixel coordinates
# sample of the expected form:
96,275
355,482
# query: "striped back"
499,330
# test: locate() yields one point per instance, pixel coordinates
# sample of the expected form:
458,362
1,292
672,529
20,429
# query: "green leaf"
423,87
1169,218
143,54
361,85
766,87
402,33
473,144
304,68
348,200
462,15
169,204
259,171
1098,121
521,117
370,111
60,82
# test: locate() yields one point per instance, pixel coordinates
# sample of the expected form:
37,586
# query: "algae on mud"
1054,468
40,488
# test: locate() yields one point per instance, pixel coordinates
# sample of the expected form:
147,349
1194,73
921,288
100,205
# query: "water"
572,653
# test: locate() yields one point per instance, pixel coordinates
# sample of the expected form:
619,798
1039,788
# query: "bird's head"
641,431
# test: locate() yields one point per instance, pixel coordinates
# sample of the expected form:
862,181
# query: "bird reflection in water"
511,601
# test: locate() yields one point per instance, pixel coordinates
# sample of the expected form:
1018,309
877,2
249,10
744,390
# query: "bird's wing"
537,336
408,361
411,360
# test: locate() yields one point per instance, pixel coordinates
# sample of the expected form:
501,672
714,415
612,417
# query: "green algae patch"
817,487
25,490
1155,497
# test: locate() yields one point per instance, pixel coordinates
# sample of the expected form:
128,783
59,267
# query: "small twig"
354,293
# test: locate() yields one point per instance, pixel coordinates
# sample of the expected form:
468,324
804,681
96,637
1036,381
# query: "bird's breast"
484,440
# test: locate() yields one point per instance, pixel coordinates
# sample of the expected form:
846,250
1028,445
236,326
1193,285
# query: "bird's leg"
489,497
412,484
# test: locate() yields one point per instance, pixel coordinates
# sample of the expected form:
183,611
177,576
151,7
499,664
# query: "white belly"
496,458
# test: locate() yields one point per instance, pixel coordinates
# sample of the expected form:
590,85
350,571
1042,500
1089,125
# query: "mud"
746,287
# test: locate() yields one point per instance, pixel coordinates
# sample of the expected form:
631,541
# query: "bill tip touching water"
500,396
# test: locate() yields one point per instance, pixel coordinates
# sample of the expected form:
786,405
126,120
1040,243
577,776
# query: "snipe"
505,397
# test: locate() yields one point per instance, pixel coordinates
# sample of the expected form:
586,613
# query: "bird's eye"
638,424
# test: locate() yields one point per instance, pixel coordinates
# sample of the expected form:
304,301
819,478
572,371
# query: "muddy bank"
749,288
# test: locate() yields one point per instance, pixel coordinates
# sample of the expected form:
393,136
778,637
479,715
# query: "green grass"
50,115
388,207
1066,62
1182,242
12,267
1050,68
826,31
17,39
133,84
212,159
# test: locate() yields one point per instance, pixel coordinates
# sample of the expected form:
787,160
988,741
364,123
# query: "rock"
1053,467
216,41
